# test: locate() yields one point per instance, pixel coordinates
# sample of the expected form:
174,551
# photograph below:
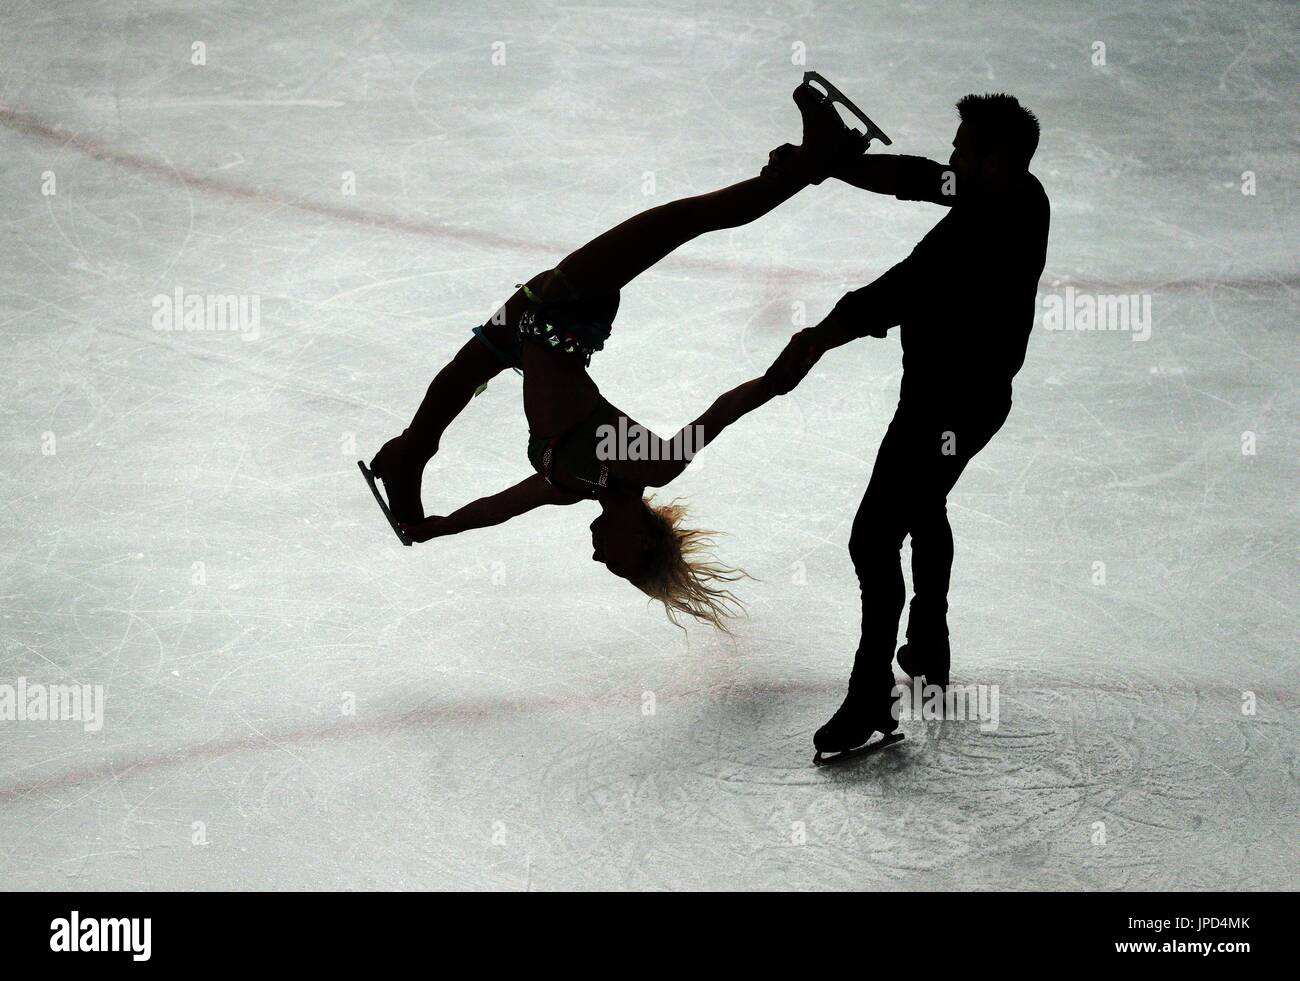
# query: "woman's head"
622,536
646,544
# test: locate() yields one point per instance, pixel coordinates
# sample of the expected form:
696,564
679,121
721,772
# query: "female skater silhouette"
549,329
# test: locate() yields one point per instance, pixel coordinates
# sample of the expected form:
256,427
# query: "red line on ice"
30,125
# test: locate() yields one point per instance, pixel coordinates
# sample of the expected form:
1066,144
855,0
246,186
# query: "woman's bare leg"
401,461
612,260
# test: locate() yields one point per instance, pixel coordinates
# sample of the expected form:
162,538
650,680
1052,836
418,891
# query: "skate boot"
928,657
849,731
401,477
827,141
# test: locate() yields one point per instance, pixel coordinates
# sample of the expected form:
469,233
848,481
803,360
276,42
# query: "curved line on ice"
165,172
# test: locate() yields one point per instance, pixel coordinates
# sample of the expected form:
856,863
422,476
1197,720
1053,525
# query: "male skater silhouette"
965,301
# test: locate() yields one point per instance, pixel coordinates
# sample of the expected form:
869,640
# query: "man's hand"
851,310
794,363
430,527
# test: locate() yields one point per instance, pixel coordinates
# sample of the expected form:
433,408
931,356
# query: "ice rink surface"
295,701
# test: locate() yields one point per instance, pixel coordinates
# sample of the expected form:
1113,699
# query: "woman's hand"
430,527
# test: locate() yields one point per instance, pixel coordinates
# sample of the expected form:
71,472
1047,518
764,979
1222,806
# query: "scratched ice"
294,700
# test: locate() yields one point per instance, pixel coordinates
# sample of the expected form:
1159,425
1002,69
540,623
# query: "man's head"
995,141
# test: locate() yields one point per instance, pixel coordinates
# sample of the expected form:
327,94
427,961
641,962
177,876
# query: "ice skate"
930,659
401,480
383,505
849,732
834,95
827,142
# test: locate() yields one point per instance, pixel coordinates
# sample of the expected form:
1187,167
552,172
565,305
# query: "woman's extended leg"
612,260
400,462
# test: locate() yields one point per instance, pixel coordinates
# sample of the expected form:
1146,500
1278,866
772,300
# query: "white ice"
184,524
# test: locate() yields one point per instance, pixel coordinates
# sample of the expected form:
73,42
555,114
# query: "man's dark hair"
1001,125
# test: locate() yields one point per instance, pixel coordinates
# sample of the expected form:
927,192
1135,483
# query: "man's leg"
877,536
942,453
874,545
927,651
932,553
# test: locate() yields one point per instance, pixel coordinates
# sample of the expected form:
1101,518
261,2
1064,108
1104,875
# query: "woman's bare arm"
676,454
531,492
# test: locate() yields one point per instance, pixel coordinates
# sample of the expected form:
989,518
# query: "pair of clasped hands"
806,348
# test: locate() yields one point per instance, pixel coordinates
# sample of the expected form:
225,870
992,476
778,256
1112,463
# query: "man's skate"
849,733
930,658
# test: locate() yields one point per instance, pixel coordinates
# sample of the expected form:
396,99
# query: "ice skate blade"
383,505
852,754
874,132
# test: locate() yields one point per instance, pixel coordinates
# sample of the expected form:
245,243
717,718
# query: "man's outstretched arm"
866,312
908,178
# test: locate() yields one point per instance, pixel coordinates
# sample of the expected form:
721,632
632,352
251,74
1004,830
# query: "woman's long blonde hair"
681,572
